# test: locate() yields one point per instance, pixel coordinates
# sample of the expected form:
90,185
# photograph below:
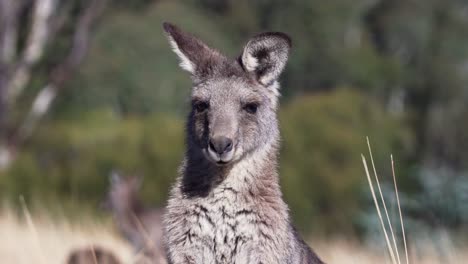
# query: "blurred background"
91,86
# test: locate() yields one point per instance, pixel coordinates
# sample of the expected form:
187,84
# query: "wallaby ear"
265,55
115,177
195,56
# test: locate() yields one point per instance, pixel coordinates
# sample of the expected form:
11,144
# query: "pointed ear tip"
168,27
114,177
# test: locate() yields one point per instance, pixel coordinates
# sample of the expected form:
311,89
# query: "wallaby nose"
221,145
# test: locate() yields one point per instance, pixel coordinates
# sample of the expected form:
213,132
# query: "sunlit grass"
52,240
348,251
41,239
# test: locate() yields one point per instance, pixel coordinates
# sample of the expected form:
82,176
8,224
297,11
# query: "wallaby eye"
250,108
201,106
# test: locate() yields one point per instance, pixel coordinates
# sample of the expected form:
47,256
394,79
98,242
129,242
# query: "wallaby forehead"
224,90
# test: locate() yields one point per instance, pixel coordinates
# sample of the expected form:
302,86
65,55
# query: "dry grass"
344,251
426,252
43,240
50,241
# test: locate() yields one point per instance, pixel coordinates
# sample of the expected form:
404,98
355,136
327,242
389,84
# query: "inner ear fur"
266,55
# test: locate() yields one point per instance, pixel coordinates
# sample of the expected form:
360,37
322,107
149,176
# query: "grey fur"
228,208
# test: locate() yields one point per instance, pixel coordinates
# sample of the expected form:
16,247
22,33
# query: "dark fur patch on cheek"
200,128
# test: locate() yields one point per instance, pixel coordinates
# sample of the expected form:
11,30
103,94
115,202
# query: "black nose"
221,145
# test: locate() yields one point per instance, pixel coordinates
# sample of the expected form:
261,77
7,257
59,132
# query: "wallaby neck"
128,216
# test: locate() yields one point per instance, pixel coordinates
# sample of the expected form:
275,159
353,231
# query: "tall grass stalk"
399,210
393,251
377,208
33,229
383,203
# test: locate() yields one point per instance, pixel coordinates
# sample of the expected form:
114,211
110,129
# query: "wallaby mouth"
221,163
219,159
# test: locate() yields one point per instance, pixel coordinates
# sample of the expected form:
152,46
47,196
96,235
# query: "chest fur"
221,226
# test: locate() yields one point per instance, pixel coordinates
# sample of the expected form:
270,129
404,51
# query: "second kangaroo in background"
141,226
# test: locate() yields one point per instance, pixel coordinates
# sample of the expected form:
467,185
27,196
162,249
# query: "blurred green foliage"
72,159
131,67
391,70
320,166
321,169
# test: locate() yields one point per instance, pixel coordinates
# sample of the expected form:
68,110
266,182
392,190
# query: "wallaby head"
226,206
123,193
139,224
92,255
234,101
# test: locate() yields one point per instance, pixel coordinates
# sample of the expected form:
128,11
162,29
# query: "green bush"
130,66
321,169
72,159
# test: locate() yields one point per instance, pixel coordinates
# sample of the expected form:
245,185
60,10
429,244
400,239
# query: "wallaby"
226,205
92,255
141,226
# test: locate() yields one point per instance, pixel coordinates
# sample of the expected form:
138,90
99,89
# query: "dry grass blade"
33,229
399,210
383,202
377,207
93,252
